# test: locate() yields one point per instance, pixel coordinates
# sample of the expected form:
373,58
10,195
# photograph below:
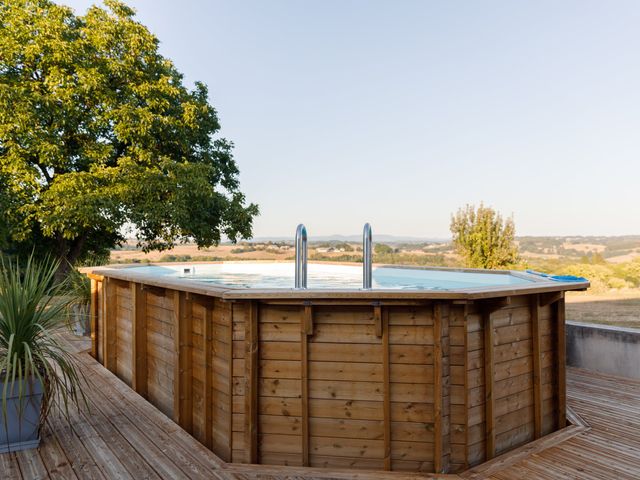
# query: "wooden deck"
123,436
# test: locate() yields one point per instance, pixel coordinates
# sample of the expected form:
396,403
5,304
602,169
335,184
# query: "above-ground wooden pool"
431,370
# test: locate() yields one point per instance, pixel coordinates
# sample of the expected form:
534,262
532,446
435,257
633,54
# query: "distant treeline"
613,246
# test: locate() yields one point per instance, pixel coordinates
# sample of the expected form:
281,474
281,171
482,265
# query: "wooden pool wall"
416,385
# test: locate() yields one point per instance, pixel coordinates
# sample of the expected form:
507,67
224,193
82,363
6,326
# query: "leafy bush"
175,258
382,249
483,239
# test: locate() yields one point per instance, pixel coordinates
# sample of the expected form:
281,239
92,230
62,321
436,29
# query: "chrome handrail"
367,273
301,257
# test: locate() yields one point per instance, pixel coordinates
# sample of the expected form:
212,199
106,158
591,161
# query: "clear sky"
399,112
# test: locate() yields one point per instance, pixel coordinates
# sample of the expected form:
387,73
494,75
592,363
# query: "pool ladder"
301,257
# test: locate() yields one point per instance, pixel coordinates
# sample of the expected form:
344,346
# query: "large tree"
483,238
98,132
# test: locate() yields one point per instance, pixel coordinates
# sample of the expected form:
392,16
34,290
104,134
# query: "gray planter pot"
19,425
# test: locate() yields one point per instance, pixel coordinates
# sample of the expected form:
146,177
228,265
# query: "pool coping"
539,285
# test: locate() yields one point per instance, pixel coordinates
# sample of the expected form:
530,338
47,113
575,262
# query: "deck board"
610,448
123,436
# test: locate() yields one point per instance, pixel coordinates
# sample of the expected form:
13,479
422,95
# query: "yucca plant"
79,292
36,372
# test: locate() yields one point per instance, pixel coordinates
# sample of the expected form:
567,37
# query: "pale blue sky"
399,112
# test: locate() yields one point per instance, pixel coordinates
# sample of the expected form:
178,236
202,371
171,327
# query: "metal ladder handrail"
301,257
367,271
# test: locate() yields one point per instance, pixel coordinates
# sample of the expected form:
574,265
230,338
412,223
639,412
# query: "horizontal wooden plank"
276,369
279,332
274,443
279,424
354,316
345,352
410,316
326,462
347,390
346,447
511,333
274,405
280,314
511,351
412,335
417,451
347,409
288,459
279,350
411,354
333,333
362,372
346,428
412,432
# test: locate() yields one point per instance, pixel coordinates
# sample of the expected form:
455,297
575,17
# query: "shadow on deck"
123,436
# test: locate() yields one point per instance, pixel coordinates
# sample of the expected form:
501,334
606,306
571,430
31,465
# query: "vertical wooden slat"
386,388
437,388
228,312
490,434
466,386
537,365
208,372
251,378
177,314
377,320
562,378
100,326
305,330
139,339
182,395
95,305
110,327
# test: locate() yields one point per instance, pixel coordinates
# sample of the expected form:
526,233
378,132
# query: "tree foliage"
483,238
98,132
382,249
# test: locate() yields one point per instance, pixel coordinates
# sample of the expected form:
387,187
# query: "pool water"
281,275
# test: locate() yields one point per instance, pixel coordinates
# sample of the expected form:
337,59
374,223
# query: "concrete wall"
605,349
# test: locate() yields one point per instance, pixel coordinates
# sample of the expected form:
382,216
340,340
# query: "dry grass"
625,258
222,251
620,308
584,247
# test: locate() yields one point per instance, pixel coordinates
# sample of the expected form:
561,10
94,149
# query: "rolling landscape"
612,264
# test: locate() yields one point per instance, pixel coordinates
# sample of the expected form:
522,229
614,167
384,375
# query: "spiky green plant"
32,314
79,292
79,287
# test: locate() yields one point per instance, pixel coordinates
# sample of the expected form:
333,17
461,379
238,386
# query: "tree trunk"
67,255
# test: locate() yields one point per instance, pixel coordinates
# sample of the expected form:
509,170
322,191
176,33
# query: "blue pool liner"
559,278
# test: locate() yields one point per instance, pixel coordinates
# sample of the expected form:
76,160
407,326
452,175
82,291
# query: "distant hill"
354,238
